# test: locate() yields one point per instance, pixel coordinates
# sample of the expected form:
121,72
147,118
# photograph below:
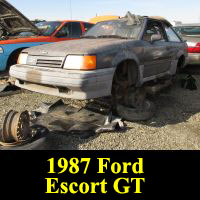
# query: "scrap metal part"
3,86
132,19
7,86
16,129
112,123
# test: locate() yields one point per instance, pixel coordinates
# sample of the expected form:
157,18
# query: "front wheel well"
12,60
130,67
126,75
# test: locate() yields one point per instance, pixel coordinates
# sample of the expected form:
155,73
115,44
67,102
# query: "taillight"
194,49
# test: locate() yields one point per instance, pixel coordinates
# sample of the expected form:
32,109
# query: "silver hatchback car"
110,58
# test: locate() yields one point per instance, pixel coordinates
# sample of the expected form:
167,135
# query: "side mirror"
155,37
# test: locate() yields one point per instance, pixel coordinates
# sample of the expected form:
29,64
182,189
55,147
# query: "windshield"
47,28
115,28
188,30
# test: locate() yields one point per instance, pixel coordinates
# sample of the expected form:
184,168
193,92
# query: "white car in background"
191,33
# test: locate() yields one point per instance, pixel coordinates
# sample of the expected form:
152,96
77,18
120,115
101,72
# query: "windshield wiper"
112,36
89,36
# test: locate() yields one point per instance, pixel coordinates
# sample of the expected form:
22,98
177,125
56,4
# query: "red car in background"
18,33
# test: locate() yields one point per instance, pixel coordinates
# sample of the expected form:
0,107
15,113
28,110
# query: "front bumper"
194,58
73,84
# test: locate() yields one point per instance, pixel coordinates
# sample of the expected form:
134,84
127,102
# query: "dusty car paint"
152,60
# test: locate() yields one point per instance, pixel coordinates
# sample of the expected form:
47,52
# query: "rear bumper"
194,58
74,84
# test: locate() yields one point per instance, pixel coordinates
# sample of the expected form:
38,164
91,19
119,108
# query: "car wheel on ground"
142,113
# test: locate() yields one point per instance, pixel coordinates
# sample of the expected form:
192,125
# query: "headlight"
22,58
80,62
1,50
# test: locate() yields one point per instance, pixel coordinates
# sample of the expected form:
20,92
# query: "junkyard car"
111,57
18,33
191,33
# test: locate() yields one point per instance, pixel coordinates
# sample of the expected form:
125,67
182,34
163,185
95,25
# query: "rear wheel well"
12,60
181,62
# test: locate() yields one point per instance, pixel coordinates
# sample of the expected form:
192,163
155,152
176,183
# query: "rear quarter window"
172,36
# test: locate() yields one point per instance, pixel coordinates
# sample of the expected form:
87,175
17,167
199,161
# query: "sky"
179,10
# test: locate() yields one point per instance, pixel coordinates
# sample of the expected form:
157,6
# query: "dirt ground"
175,126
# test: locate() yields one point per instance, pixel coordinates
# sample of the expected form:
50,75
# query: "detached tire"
40,142
137,114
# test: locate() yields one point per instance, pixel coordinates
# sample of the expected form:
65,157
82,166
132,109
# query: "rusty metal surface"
6,127
16,127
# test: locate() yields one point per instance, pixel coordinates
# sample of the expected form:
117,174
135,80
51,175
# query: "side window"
172,37
70,30
152,28
76,30
87,26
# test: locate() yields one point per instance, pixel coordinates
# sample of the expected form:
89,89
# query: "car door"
157,58
70,30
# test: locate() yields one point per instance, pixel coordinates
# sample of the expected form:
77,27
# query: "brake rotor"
16,127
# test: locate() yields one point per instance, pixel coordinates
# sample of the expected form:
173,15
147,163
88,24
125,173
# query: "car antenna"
70,11
70,8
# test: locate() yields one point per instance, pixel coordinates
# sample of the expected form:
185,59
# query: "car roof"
160,19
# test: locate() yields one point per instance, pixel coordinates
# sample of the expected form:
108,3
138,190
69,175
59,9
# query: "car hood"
12,21
81,47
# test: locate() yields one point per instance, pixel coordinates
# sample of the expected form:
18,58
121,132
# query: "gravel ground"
174,126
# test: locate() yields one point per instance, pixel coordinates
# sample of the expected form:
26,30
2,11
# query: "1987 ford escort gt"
111,57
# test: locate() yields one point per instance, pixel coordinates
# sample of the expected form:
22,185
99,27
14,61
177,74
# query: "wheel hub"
16,127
